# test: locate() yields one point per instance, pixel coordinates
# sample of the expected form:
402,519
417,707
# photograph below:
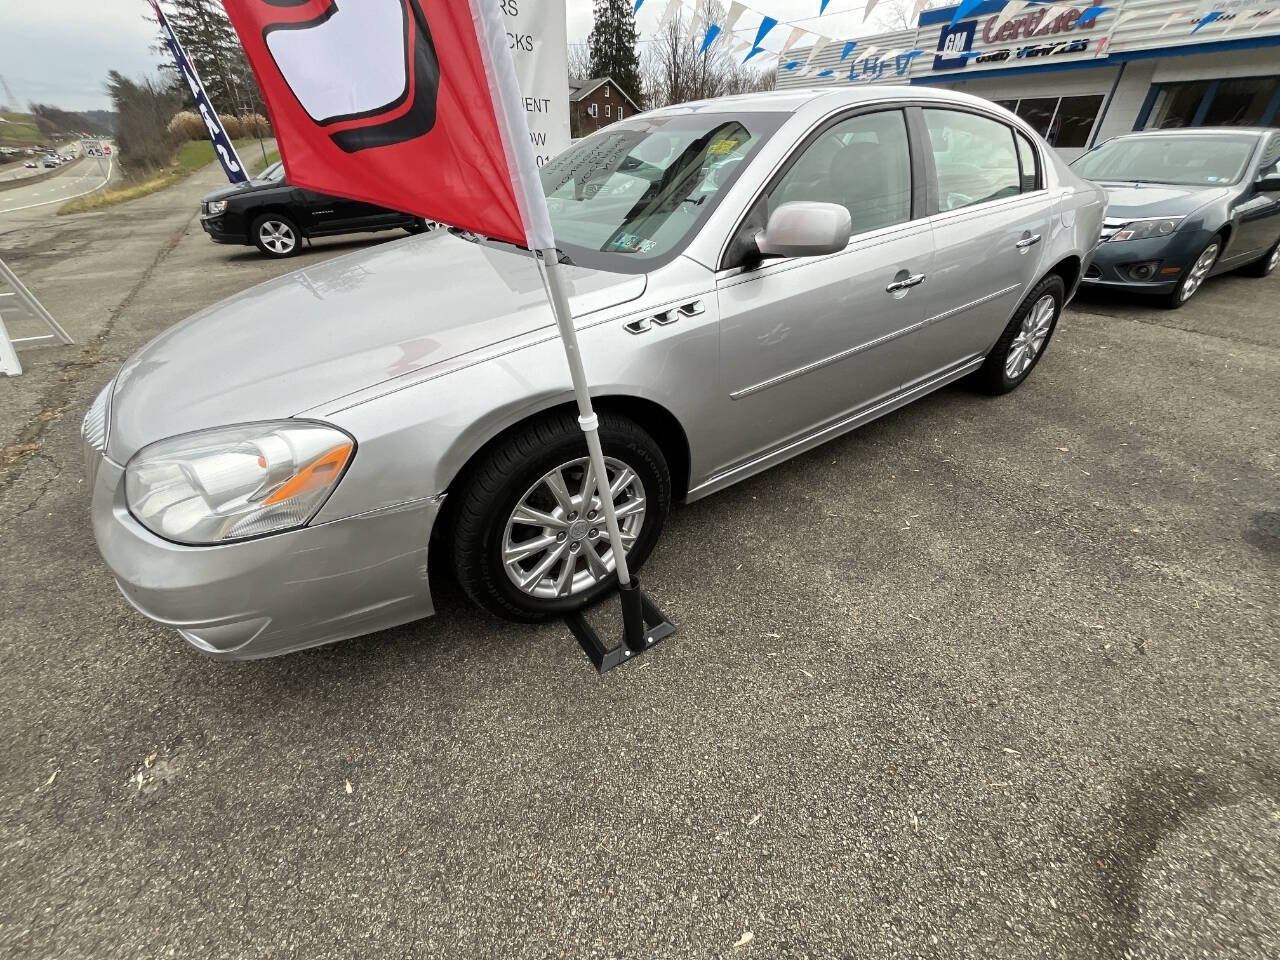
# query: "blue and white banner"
222,145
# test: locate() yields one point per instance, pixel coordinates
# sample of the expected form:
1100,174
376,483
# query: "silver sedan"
750,277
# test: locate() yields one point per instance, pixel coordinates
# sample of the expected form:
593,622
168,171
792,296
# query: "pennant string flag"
767,24
712,32
796,34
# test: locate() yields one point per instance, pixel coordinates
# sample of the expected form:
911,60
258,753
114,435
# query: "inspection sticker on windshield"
632,244
721,147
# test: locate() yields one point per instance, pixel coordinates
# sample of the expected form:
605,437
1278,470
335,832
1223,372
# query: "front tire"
276,235
420,225
1024,340
1193,277
529,541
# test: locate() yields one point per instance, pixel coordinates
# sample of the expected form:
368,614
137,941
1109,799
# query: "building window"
1177,104
593,110
1072,125
1064,122
1038,113
1242,102
619,111
606,90
607,108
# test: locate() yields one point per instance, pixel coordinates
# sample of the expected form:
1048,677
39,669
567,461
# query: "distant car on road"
1183,206
30,165
275,216
49,162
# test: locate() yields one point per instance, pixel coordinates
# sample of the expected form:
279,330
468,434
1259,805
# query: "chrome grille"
1111,227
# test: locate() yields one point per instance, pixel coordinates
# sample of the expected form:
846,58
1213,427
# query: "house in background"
597,103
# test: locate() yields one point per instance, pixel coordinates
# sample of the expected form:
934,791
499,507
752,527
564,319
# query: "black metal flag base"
643,625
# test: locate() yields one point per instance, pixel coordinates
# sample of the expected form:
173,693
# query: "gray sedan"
750,277
1184,206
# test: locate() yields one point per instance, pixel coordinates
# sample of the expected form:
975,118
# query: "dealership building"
1076,73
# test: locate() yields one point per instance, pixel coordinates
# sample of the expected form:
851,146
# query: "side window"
863,163
974,157
1028,160
1269,163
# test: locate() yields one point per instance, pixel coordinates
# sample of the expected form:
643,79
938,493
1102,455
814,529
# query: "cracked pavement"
984,679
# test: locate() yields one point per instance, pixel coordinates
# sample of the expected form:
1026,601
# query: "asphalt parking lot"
985,679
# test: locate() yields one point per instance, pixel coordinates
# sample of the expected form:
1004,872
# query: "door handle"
912,281
1028,242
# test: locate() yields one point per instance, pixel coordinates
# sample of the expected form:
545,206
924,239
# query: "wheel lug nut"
573,516
595,532
560,537
575,546
591,515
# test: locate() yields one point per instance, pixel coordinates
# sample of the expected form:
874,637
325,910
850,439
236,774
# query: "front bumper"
1114,262
278,593
221,231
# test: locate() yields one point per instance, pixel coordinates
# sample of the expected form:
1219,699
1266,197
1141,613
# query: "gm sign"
954,45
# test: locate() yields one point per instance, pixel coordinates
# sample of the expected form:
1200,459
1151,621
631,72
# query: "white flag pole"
638,612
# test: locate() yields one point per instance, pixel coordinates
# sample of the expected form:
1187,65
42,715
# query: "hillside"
19,128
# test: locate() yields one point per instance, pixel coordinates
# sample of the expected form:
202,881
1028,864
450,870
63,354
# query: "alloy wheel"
555,543
277,236
1199,271
1030,340
1274,260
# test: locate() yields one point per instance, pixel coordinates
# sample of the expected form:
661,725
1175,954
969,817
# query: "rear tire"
494,550
1265,266
276,236
1024,340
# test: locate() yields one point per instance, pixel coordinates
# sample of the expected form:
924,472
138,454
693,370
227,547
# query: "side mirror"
1269,183
805,228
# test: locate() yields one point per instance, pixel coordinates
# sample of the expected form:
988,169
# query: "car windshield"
1179,159
272,174
629,197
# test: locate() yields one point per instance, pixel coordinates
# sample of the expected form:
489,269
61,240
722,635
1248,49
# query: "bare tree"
675,70
579,61
895,15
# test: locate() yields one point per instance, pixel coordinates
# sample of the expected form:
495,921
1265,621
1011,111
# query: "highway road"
69,182
16,170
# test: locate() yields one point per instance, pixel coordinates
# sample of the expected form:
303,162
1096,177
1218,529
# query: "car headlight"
215,207
1147,229
236,482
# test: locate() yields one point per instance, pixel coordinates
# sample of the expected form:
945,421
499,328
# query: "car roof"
788,101
1201,131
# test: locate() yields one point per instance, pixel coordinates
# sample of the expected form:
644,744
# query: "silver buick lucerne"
750,277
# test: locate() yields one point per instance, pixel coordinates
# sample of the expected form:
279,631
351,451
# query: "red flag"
409,104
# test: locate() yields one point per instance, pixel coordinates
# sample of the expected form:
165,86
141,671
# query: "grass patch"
260,164
109,198
192,156
21,127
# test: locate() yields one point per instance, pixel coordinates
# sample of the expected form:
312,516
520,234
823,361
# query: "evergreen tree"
214,48
613,45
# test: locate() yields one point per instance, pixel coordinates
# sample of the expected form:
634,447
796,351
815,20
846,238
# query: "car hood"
1130,201
239,189
309,337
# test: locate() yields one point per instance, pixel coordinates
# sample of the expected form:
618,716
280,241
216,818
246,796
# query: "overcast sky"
59,51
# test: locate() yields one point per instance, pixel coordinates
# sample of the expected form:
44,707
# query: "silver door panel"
986,257
804,342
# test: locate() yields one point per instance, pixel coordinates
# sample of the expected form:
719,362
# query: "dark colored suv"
275,216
